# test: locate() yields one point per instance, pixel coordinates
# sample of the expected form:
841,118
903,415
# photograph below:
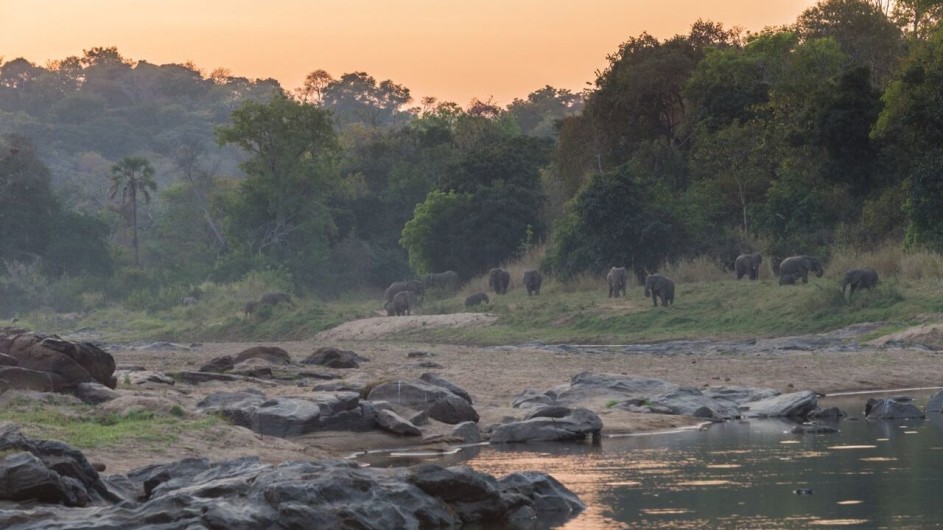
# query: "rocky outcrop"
558,425
793,405
892,409
334,358
439,403
245,493
268,354
67,363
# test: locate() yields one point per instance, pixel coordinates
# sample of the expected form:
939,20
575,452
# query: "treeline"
713,143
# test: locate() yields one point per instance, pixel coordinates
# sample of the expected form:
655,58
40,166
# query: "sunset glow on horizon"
450,50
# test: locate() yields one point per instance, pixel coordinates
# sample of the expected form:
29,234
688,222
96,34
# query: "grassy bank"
709,303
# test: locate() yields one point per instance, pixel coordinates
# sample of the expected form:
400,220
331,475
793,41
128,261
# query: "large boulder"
19,378
334,358
437,380
396,424
284,417
219,365
574,425
439,403
68,363
793,405
891,409
268,354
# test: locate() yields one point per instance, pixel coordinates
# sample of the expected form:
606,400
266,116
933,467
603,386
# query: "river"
747,474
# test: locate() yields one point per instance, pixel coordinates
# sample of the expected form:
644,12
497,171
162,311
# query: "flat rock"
793,405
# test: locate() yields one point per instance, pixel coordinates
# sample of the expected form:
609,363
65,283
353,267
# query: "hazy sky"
451,49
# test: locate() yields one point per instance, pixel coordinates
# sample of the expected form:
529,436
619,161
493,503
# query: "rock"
814,428
219,365
935,403
269,354
532,398
793,405
6,360
334,358
94,393
237,407
344,385
551,411
690,401
829,414
430,365
396,424
18,378
466,432
889,409
244,493
574,426
68,363
144,377
26,477
436,380
285,417
440,403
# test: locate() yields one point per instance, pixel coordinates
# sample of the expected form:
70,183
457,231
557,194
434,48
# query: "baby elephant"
789,279
477,299
401,303
657,286
859,279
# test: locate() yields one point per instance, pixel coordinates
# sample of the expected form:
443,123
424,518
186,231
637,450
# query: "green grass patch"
85,428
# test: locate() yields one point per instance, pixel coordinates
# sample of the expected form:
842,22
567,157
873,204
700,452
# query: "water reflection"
757,474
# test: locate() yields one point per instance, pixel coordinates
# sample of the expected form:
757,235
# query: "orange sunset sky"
448,49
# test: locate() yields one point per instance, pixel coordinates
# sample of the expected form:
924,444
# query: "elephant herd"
401,297
795,268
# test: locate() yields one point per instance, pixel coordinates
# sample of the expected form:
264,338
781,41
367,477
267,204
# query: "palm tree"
132,176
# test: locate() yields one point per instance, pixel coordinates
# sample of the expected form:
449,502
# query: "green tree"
131,178
618,219
281,209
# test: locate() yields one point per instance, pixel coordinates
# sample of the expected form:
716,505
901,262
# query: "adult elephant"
532,281
801,265
859,279
618,279
748,265
498,280
658,286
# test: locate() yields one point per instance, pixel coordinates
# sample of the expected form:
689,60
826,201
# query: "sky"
449,49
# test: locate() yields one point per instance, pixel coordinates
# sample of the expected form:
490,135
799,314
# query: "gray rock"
394,423
19,378
935,403
440,403
689,401
532,398
219,365
889,409
793,405
334,358
268,354
466,432
237,407
285,417
436,380
574,426
25,477
143,377
94,393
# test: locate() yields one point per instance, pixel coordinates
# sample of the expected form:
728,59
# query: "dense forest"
125,180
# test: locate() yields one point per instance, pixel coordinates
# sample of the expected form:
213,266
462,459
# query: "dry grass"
889,260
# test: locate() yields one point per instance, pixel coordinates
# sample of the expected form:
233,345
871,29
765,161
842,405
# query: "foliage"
132,177
615,221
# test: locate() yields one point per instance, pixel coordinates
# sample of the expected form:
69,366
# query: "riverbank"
825,364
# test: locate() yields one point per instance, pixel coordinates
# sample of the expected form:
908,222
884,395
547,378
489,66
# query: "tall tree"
133,177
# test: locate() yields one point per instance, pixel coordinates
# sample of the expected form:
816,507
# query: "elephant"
401,303
416,287
801,265
188,300
477,299
656,286
275,299
446,281
394,289
498,280
789,278
859,279
532,281
618,279
748,264
249,308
